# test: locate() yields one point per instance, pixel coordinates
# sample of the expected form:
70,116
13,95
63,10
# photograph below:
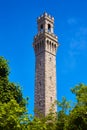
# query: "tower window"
41,28
55,47
50,59
39,83
50,77
47,41
51,99
49,28
40,63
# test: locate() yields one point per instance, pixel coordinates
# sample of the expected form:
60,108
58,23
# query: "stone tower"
45,45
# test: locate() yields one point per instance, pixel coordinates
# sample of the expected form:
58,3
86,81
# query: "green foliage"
10,115
78,116
62,117
77,119
81,94
62,114
13,113
12,103
4,69
8,90
37,124
64,105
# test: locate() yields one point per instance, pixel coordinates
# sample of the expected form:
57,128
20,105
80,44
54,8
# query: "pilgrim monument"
45,45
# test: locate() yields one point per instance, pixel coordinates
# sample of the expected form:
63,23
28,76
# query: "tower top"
45,23
45,16
45,27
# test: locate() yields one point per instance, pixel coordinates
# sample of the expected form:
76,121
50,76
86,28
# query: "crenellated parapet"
45,16
45,23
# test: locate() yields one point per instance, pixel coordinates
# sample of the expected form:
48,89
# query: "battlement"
45,23
45,16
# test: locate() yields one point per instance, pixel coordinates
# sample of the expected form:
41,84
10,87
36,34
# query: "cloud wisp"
77,45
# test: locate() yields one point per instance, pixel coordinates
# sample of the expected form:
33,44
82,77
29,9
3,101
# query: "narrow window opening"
41,28
47,41
50,45
55,47
50,77
49,28
39,83
51,99
50,59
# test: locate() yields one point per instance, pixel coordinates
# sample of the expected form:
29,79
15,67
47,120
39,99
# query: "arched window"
50,45
49,28
47,41
41,28
47,44
55,47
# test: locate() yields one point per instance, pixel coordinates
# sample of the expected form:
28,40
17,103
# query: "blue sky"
17,29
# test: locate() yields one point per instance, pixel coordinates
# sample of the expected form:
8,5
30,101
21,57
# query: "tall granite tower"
45,45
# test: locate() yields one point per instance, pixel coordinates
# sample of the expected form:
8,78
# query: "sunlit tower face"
45,45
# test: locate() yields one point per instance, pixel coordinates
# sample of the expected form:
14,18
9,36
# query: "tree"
81,94
12,103
11,115
4,69
77,119
64,107
78,116
9,90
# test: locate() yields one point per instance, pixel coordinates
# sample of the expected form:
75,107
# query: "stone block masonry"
45,45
